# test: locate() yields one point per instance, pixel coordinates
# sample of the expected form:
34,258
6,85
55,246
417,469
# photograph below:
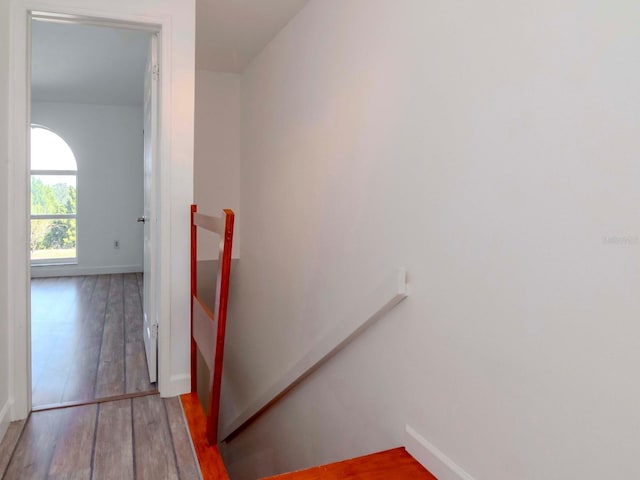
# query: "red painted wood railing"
208,327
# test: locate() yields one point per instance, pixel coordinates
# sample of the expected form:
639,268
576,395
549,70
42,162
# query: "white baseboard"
74,270
432,458
178,385
4,418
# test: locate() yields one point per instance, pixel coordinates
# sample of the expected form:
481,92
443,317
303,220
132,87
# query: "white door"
150,325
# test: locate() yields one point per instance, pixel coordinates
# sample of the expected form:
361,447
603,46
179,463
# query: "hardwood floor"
86,338
8,444
395,464
139,438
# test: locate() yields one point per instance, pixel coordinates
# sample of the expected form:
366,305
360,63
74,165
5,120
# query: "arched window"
54,173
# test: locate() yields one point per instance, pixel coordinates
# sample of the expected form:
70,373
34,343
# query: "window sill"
57,263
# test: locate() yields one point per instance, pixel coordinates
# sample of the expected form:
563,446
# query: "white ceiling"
90,64
87,64
229,33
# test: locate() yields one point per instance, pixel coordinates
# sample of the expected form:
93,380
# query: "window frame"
61,216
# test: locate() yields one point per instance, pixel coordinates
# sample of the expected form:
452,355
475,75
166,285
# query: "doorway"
88,308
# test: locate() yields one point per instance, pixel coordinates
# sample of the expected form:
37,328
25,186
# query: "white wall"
491,148
4,272
216,180
177,19
107,143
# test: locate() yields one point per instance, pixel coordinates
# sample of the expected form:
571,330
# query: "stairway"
394,464
209,322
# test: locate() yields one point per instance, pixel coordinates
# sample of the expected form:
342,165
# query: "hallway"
142,438
86,338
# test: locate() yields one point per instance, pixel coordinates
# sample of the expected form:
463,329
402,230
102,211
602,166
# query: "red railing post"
194,291
223,297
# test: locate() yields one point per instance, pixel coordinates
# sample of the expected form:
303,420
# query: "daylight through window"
54,175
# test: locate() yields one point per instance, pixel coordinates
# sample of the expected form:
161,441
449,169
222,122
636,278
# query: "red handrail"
194,292
219,310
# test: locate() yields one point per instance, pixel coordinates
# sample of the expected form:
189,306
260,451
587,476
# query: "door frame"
18,192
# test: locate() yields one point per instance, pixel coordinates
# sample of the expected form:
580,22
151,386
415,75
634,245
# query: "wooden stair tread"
395,464
209,457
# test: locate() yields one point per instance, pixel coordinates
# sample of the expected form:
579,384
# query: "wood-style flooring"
139,438
86,338
395,464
